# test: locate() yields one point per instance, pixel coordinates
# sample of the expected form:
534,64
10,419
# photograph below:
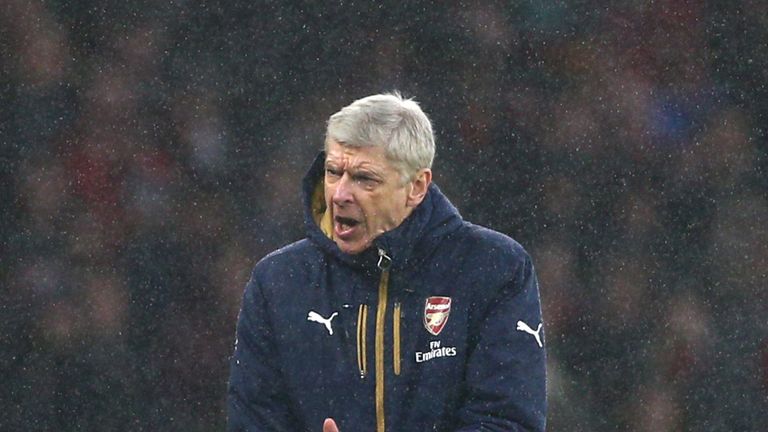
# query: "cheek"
369,210
329,190
380,215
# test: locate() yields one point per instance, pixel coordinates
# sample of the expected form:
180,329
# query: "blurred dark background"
151,153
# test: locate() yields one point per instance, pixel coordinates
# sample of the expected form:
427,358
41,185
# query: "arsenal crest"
436,311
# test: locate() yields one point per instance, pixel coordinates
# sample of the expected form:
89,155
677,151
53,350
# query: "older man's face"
366,194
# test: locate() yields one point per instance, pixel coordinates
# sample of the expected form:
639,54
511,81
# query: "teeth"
346,223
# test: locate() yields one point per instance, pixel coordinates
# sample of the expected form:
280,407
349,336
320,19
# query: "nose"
343,193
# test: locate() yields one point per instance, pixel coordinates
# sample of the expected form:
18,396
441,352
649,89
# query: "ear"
419,187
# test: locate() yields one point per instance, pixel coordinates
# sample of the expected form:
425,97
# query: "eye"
365,180
332,172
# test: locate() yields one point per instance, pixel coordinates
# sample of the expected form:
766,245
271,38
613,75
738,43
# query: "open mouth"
344,225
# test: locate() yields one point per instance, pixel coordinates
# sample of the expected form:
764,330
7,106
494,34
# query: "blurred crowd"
151,153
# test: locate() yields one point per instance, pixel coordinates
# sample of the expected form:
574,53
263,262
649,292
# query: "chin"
353,249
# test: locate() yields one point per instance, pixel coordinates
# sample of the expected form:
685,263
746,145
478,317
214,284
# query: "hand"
330,426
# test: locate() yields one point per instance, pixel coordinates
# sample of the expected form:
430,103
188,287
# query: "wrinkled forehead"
353,156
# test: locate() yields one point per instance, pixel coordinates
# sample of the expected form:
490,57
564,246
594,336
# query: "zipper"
381,310
396,335
384,261
362,349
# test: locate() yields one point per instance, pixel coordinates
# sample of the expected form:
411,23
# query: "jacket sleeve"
506,371
256,400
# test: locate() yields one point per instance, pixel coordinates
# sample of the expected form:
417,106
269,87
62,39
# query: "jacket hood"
407,245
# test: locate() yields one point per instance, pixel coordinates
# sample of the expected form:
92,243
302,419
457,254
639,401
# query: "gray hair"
389,121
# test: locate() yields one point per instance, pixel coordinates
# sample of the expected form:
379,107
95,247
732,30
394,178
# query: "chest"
416,326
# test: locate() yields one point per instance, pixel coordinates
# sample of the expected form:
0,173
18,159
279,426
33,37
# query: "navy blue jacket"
437,327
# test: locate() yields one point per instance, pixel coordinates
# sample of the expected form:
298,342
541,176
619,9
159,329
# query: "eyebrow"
365,170
367,173
365,166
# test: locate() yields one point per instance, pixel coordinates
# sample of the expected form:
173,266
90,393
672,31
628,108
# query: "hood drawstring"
384,260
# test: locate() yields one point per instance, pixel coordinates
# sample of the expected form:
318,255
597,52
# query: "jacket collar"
406,246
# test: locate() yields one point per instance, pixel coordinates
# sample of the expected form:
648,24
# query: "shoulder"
292,251
286,260
488,241
491,252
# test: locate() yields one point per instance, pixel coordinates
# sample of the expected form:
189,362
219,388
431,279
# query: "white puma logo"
524,327
314,316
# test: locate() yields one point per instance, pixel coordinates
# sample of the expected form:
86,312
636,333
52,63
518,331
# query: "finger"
330,426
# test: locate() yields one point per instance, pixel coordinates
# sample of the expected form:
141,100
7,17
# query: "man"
393,314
